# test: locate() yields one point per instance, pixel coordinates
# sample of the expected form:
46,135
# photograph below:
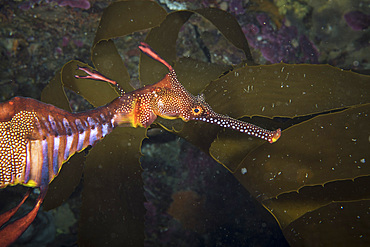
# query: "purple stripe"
93,136
55,155
69,143
53,124
28,164
45,164
81,138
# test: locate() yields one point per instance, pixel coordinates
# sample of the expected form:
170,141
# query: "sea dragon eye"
197,110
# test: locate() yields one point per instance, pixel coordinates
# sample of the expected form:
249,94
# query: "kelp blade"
329,150
61,188
113,211
286,90
108,62
279,90
230,29
163,39
97,93
336,224
125,17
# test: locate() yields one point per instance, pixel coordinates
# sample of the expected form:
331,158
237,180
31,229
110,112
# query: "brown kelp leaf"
227,24
97,93
196,132
327,148
293,205
68,178
337,224
65,183
163,39
278,90
195,75
231,147
189,208
199,133
124,17
286,90
54,93
108,62
113,198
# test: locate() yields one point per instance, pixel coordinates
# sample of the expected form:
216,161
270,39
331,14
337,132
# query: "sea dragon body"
37,138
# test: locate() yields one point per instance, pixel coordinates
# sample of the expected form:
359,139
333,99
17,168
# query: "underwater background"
190,198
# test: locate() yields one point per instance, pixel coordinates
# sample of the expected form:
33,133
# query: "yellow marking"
31,184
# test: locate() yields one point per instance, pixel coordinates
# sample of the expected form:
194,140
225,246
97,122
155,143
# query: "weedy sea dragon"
37,138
